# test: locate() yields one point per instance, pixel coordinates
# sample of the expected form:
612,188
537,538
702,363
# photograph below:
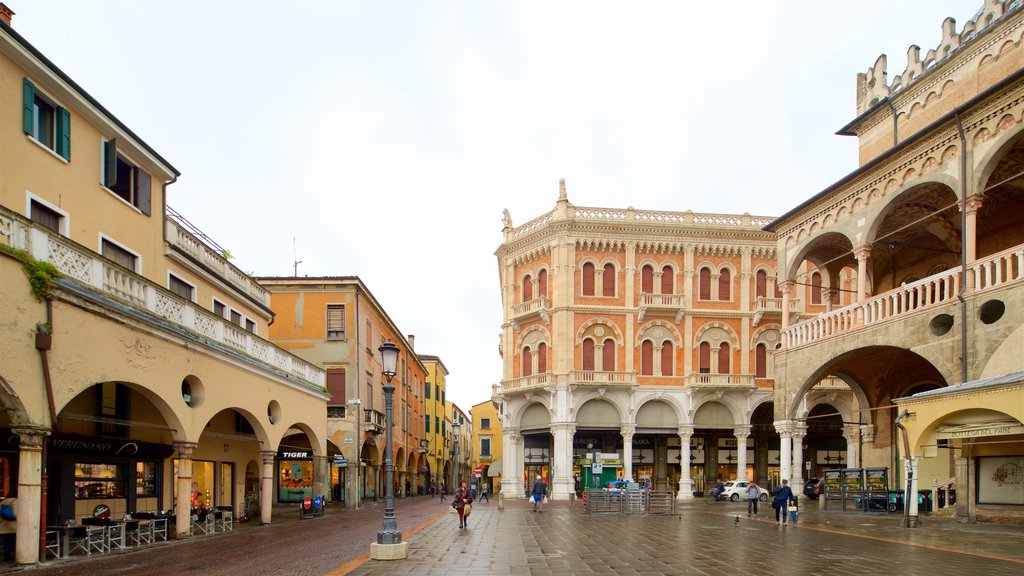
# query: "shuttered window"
667,280
45,216
815,288
124,178
542,284
723,359
666,358
336,386
588,354
705,284
527,362
761,284
527,289
761,361
609,280
647,280
46,122
335,320
704,358
542,358
118,255
588,279
647,358
608,356
180,287
725,285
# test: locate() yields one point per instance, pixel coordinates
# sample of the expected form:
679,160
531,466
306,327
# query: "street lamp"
352,492
455,452
389,545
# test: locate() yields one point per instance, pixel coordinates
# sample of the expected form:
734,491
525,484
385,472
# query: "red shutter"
336,386
647,358
723,359
542,284
647,280
609,280
527,289
761,284
527,362
705,284
588,279
761,361
542,358
666,358
667,280
724,285
588,354
608,356
705,358
815,288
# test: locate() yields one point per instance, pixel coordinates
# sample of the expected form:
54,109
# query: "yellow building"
337,324
486,445
437,464
461,442
134,352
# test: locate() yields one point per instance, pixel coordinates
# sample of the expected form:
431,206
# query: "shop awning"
494,469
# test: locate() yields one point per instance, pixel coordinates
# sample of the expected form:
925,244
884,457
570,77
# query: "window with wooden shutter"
761,361
336,386
588,279
588,354
647,358
180,287
704,358
542,284
666,358
761,284
527,362
724,285
608,356
335,320
527,288
542,358
647,280
609,280
122,177
667,280
723,359
119,255
45,215
815,288
705,284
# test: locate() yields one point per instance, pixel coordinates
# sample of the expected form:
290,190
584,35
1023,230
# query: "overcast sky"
385,138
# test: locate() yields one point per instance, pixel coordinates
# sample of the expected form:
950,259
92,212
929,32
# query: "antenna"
295,260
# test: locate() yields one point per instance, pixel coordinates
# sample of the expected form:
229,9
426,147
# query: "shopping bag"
468,509
545,499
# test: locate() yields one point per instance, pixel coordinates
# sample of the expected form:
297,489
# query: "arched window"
705,284
646,358
609,280
724,285
542,358
608,355
761,361
666,358
704,360
815,288
647,280
723,359
527,288
761,284
542,284
588,354
588,279
527,362
667,280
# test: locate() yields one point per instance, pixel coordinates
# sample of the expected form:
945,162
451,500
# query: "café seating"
88,539
225,518
53,543
116,536
152,526
203,522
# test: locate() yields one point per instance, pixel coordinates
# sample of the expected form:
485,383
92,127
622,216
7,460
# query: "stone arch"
646,329
400,463
823,248
661,398
707,411
937,178
712,333
13,409
990,159
601,408
982,409
318,448
585,327
535,334
516,416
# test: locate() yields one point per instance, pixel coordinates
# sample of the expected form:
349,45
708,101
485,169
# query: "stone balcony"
540,307
770,309
88,273
699,380
661,303
596,377
373,420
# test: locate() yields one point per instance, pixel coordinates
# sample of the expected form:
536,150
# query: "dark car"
814,488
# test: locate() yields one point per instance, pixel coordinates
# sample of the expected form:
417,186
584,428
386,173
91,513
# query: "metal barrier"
628,502
661,502
601,502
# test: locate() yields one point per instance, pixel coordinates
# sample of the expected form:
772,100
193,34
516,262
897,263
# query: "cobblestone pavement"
700,538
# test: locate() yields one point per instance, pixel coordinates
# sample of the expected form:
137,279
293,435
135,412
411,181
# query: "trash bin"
895,500
924,501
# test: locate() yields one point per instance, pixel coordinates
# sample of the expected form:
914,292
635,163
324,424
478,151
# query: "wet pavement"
700,538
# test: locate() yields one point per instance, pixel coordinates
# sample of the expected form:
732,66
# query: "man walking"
538,492
753,493
783,494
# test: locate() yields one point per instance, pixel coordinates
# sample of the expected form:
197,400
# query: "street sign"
347,441
340,461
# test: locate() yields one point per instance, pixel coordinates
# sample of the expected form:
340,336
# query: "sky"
383,139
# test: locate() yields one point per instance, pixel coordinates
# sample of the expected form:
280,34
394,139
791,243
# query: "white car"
736,490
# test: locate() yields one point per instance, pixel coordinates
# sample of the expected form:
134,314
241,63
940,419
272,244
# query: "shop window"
588,279
202,488
608,355
647,358
667,280
335,320
95,480
5,476
761,284
542,284
725,284
705,284
527,288
542,358
588,355
647,280
146,474
666,358
608,288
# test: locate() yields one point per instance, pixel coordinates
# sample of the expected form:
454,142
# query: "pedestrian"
408,487
484,495
441,491
783,494
8,524
753,493
539,487
463,500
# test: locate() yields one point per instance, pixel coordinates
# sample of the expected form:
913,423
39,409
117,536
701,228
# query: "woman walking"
462,501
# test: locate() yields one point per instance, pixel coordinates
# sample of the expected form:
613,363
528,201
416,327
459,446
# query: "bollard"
572,501
501,502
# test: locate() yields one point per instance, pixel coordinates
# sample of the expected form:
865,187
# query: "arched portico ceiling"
311,437
12,411
960,424
400,459
714,414
150,411
922,221
657,414
599,413
225,426
830,251
535,416
875,374
1003,207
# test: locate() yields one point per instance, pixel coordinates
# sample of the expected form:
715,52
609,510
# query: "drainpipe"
963,246
908,521
44,341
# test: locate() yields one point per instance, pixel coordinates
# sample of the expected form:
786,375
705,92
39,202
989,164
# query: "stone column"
785,430
851,432
685,481
627,431
561,482
321,476
971,234
799,433
741,433
785,288
266,486
512,470
912,464
599,357
183,502
30,490
963,500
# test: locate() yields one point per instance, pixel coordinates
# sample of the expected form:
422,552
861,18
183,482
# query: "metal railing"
634,501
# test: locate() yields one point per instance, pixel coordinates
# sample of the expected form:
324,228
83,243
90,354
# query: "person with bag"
753,493
8,525
539,488
463,503
783,495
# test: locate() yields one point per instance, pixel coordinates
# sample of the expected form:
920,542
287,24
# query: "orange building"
337,324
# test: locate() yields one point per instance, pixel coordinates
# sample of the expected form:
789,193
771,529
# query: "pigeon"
737,520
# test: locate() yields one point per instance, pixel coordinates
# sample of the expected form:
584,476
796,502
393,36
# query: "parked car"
737,490
814,487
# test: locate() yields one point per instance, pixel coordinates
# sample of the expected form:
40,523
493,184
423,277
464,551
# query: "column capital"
850,432
974,204
268,456
784,427
785,286
185,449
867,433
629,429
741,432
685,431
799,430
862,252
31,437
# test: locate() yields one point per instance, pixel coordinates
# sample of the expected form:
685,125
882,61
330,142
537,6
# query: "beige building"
461,442
135,353
930,222
486,445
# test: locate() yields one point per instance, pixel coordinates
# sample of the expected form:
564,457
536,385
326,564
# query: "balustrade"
715,380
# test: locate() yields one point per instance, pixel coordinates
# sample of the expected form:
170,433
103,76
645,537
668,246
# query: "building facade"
638,340
461,454
437,464
338,325
137,375
930,221
486,445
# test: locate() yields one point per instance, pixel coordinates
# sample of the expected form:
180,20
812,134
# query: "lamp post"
354,479
389,545
455,455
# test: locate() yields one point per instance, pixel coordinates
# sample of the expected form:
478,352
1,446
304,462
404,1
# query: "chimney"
412,342
6,13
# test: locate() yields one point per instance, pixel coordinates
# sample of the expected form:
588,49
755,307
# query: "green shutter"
143,191
110,163
28,104
64,133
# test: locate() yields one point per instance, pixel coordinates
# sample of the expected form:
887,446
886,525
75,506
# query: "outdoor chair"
202,523
88,539
159,528
53,544
225,518
116,536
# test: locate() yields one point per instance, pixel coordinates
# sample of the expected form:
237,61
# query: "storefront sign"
979,429
82,445
295,454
